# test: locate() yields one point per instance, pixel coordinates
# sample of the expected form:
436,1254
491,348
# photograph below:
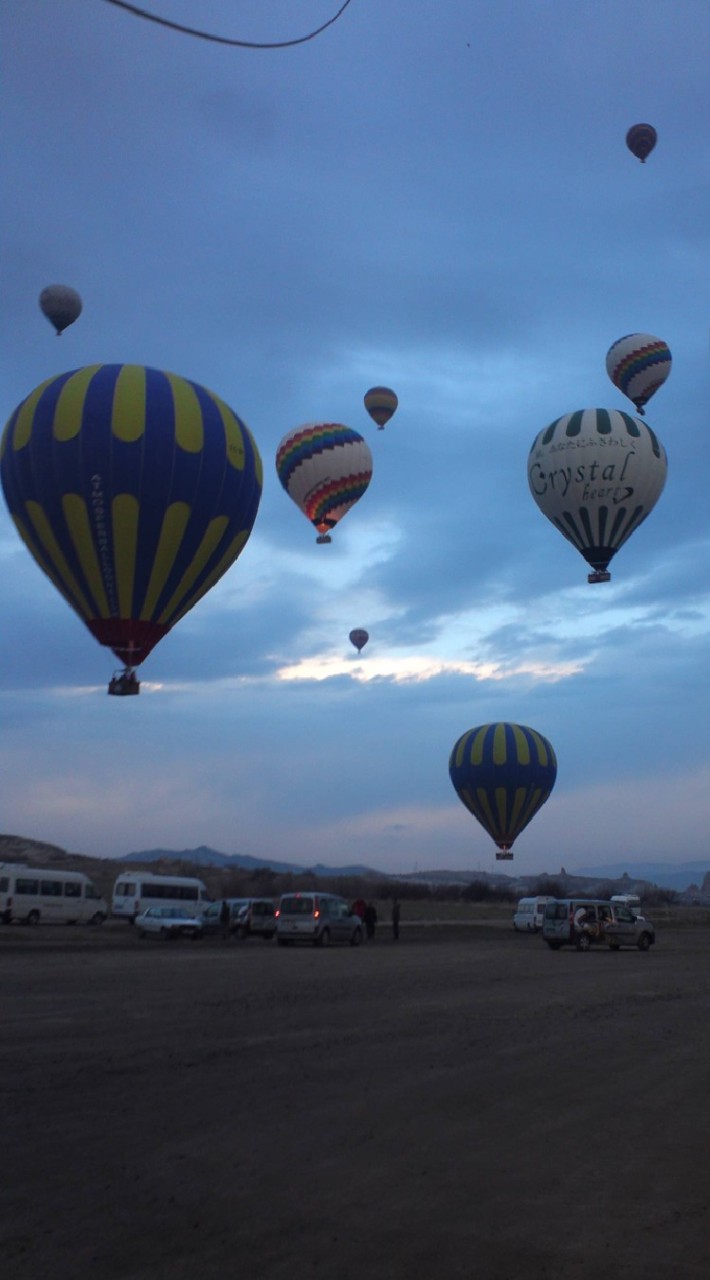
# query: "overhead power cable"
207,35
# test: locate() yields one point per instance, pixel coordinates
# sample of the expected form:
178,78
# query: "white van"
39,895
630,900
136,890
529,914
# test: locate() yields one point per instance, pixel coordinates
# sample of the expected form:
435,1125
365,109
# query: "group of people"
368,914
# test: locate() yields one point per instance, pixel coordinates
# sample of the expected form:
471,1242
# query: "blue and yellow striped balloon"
134,490
503,773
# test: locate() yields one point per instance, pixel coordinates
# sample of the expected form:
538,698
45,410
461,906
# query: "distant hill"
204,856
667,875
215,867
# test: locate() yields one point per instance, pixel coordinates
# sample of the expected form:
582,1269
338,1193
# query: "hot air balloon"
641,139
638,365
61,304
134,490
503,773
359,637
596,474
380,403
325,468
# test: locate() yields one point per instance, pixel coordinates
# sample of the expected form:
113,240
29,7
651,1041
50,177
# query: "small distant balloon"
638,365
359,637
503,773
641,139
381,403
597,474
325,468
61,305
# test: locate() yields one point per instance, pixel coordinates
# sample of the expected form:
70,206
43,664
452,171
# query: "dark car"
248,917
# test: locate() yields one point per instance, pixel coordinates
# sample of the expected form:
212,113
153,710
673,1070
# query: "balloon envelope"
638,364
134,490
641,139
503,773
61,305
597,474
325,468
381,403
359,637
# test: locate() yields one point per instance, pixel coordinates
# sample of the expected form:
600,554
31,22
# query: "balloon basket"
599,575
324,537
124,684
504,855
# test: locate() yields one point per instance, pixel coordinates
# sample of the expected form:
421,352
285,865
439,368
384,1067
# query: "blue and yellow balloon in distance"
325,468
503,774
381,403
597,474
134,490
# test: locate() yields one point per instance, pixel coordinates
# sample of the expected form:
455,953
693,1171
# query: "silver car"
168,923
587,922
318,918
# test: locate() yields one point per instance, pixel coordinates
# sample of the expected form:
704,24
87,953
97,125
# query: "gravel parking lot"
462,1103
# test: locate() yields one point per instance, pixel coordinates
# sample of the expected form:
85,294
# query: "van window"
27,886
556,911
72,888
4,884
297,907
51,888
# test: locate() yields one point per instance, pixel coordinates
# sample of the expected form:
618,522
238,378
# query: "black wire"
205,35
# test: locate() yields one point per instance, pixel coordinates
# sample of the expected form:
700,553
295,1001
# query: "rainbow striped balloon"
503,773
325,468
638,365
134,490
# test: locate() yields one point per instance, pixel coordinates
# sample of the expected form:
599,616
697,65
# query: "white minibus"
39,895
136,890
529,914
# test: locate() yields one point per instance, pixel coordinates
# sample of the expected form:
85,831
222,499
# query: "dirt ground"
462,1103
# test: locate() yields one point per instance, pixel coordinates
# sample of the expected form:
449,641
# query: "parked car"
257,919
212,915
587,922
168,922
248,917
318,918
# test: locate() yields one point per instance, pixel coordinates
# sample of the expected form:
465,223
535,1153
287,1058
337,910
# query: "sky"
434,196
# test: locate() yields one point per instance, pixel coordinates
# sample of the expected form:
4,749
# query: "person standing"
370,920
395,919
224,916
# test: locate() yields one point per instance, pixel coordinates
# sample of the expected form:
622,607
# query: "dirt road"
464,1103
